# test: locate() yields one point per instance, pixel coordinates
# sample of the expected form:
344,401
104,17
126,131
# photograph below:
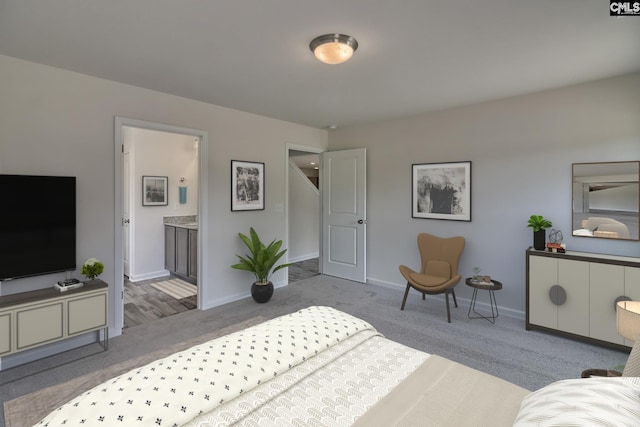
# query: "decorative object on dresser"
439,271
539,224
67,285
261,262
92,268
575,294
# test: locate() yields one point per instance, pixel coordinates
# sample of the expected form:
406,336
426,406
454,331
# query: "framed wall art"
154,190
247,186
441,191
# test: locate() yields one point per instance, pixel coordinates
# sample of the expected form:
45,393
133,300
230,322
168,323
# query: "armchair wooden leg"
423,296
446,295
453,292
404,300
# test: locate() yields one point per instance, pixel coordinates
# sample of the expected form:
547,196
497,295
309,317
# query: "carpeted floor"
527,358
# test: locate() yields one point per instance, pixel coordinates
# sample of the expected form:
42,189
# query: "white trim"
148,276
304,257
203,209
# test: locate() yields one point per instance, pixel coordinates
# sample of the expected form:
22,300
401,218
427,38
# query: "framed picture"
441,191
247,186
154,190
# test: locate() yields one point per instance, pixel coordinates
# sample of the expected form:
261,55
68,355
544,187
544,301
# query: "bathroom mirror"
606,200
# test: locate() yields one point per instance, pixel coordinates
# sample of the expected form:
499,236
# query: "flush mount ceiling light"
333,48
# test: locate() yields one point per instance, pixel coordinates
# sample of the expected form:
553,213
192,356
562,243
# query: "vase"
261,292
539,240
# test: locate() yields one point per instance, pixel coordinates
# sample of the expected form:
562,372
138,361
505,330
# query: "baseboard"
466,302
303,257
241,295
147,276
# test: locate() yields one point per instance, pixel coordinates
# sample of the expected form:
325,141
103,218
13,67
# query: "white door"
344,214
126,216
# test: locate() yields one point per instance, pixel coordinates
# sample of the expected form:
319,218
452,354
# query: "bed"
323,367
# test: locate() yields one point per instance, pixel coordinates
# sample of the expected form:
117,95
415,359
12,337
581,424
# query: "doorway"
303,212
185,187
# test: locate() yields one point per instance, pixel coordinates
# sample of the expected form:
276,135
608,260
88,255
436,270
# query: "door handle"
361,221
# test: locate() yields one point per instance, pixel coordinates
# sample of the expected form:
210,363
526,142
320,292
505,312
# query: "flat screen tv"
37,225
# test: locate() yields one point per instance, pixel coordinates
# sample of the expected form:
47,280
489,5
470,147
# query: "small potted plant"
92,268
261,262
539,224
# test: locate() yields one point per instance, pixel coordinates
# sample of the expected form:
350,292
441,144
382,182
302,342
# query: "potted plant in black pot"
261,262
539,224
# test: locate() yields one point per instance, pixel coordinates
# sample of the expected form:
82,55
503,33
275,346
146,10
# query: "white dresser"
575,293
32,319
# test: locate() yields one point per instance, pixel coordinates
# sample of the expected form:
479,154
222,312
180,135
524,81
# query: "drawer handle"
557,295
620,298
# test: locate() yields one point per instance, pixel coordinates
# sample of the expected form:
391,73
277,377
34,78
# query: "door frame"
203,208
312,150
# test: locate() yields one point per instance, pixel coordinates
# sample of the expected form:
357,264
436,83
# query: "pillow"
438,269
598,401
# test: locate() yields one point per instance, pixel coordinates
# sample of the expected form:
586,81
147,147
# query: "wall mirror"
606,200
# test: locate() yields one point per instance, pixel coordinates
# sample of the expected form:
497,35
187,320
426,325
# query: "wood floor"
143,303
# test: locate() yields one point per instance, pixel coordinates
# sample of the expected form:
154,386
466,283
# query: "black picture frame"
441,191
247,186
155,191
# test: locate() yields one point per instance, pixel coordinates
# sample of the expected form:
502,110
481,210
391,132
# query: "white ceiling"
415,56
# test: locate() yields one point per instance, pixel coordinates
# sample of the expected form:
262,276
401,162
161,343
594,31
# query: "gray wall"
57,122
521,150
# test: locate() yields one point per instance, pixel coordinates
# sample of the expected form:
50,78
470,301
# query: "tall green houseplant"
261,261
539,224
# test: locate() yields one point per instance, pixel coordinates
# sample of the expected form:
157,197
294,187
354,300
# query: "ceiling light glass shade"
333,48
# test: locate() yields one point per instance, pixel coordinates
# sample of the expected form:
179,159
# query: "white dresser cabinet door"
543,274
606,284
5,333
573,315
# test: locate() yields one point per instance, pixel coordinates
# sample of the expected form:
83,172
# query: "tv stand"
32,319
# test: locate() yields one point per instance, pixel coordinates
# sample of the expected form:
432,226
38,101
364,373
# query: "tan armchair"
439,272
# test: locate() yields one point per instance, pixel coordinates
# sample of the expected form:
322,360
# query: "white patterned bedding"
332,389
174,390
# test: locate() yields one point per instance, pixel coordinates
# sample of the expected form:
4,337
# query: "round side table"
494,286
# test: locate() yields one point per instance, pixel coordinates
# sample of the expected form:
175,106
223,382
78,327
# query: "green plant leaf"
538,222
262,259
